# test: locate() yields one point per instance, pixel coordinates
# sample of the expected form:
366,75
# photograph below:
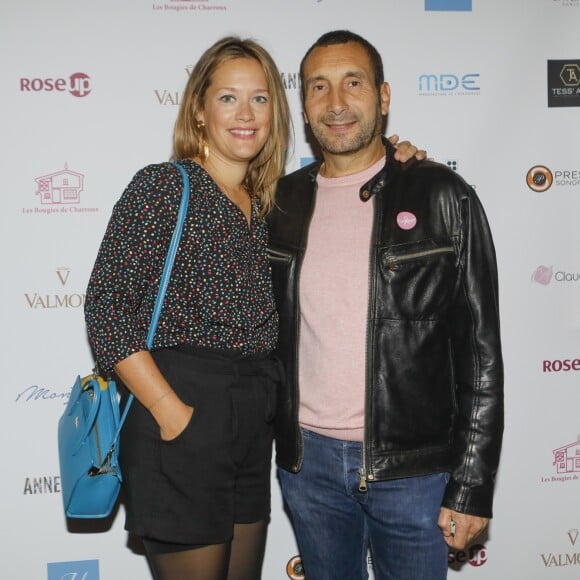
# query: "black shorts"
194,488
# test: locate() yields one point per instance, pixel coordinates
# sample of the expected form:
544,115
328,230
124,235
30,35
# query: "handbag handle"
164,283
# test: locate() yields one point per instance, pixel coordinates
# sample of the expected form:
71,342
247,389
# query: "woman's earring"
203,144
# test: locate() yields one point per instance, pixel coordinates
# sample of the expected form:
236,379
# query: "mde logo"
448,84
80,570
78,85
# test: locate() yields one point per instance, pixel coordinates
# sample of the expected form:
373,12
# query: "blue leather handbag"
89,429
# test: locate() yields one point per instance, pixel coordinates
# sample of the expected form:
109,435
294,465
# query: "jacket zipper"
278,256
393,262
364,476
300,457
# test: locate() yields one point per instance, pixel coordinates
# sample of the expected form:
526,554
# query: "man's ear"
385,98
305,117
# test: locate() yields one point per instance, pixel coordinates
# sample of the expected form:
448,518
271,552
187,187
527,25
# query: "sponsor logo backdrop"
90,94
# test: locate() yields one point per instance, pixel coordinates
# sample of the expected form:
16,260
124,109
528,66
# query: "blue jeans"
335,524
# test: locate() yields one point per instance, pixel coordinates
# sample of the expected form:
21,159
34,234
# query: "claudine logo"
80,570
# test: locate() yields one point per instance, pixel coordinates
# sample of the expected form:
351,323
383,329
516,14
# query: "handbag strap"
164,283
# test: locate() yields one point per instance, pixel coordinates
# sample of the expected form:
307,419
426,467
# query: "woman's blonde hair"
189,137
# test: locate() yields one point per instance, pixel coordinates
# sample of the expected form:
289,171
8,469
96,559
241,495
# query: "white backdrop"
89,94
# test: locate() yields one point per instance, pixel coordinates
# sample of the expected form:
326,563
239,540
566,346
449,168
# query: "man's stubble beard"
343,145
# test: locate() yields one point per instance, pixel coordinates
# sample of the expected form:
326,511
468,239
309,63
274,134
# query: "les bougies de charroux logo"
566,464
55,300
188,6
59,192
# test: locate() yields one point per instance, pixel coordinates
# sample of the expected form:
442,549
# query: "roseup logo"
78,85
543,275
476,555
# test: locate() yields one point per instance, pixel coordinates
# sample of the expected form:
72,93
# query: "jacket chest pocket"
419,279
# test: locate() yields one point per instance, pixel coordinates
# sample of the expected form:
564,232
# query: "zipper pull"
362,482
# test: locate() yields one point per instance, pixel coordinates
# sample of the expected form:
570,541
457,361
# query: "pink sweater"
333,307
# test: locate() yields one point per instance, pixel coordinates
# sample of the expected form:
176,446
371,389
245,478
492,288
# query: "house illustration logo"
567,458
60,187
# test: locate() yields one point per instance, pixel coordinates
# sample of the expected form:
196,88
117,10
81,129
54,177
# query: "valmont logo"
171,97
79,570
448,84
55,300
564,559
78,85
448,5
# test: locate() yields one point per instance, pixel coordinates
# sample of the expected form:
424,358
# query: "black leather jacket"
434,375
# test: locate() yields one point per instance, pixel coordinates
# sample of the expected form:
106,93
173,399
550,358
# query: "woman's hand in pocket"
172,416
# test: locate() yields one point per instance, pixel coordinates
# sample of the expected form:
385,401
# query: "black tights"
239,560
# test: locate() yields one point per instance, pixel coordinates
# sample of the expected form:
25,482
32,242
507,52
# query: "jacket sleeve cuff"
474,501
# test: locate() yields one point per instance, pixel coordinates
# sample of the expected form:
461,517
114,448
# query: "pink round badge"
406,220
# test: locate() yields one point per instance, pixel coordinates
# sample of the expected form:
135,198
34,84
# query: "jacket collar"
377,183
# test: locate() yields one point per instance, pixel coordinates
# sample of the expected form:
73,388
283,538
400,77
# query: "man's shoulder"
434,176
304,174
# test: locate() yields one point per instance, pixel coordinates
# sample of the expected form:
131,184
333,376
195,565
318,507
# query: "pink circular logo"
406,220
80,84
